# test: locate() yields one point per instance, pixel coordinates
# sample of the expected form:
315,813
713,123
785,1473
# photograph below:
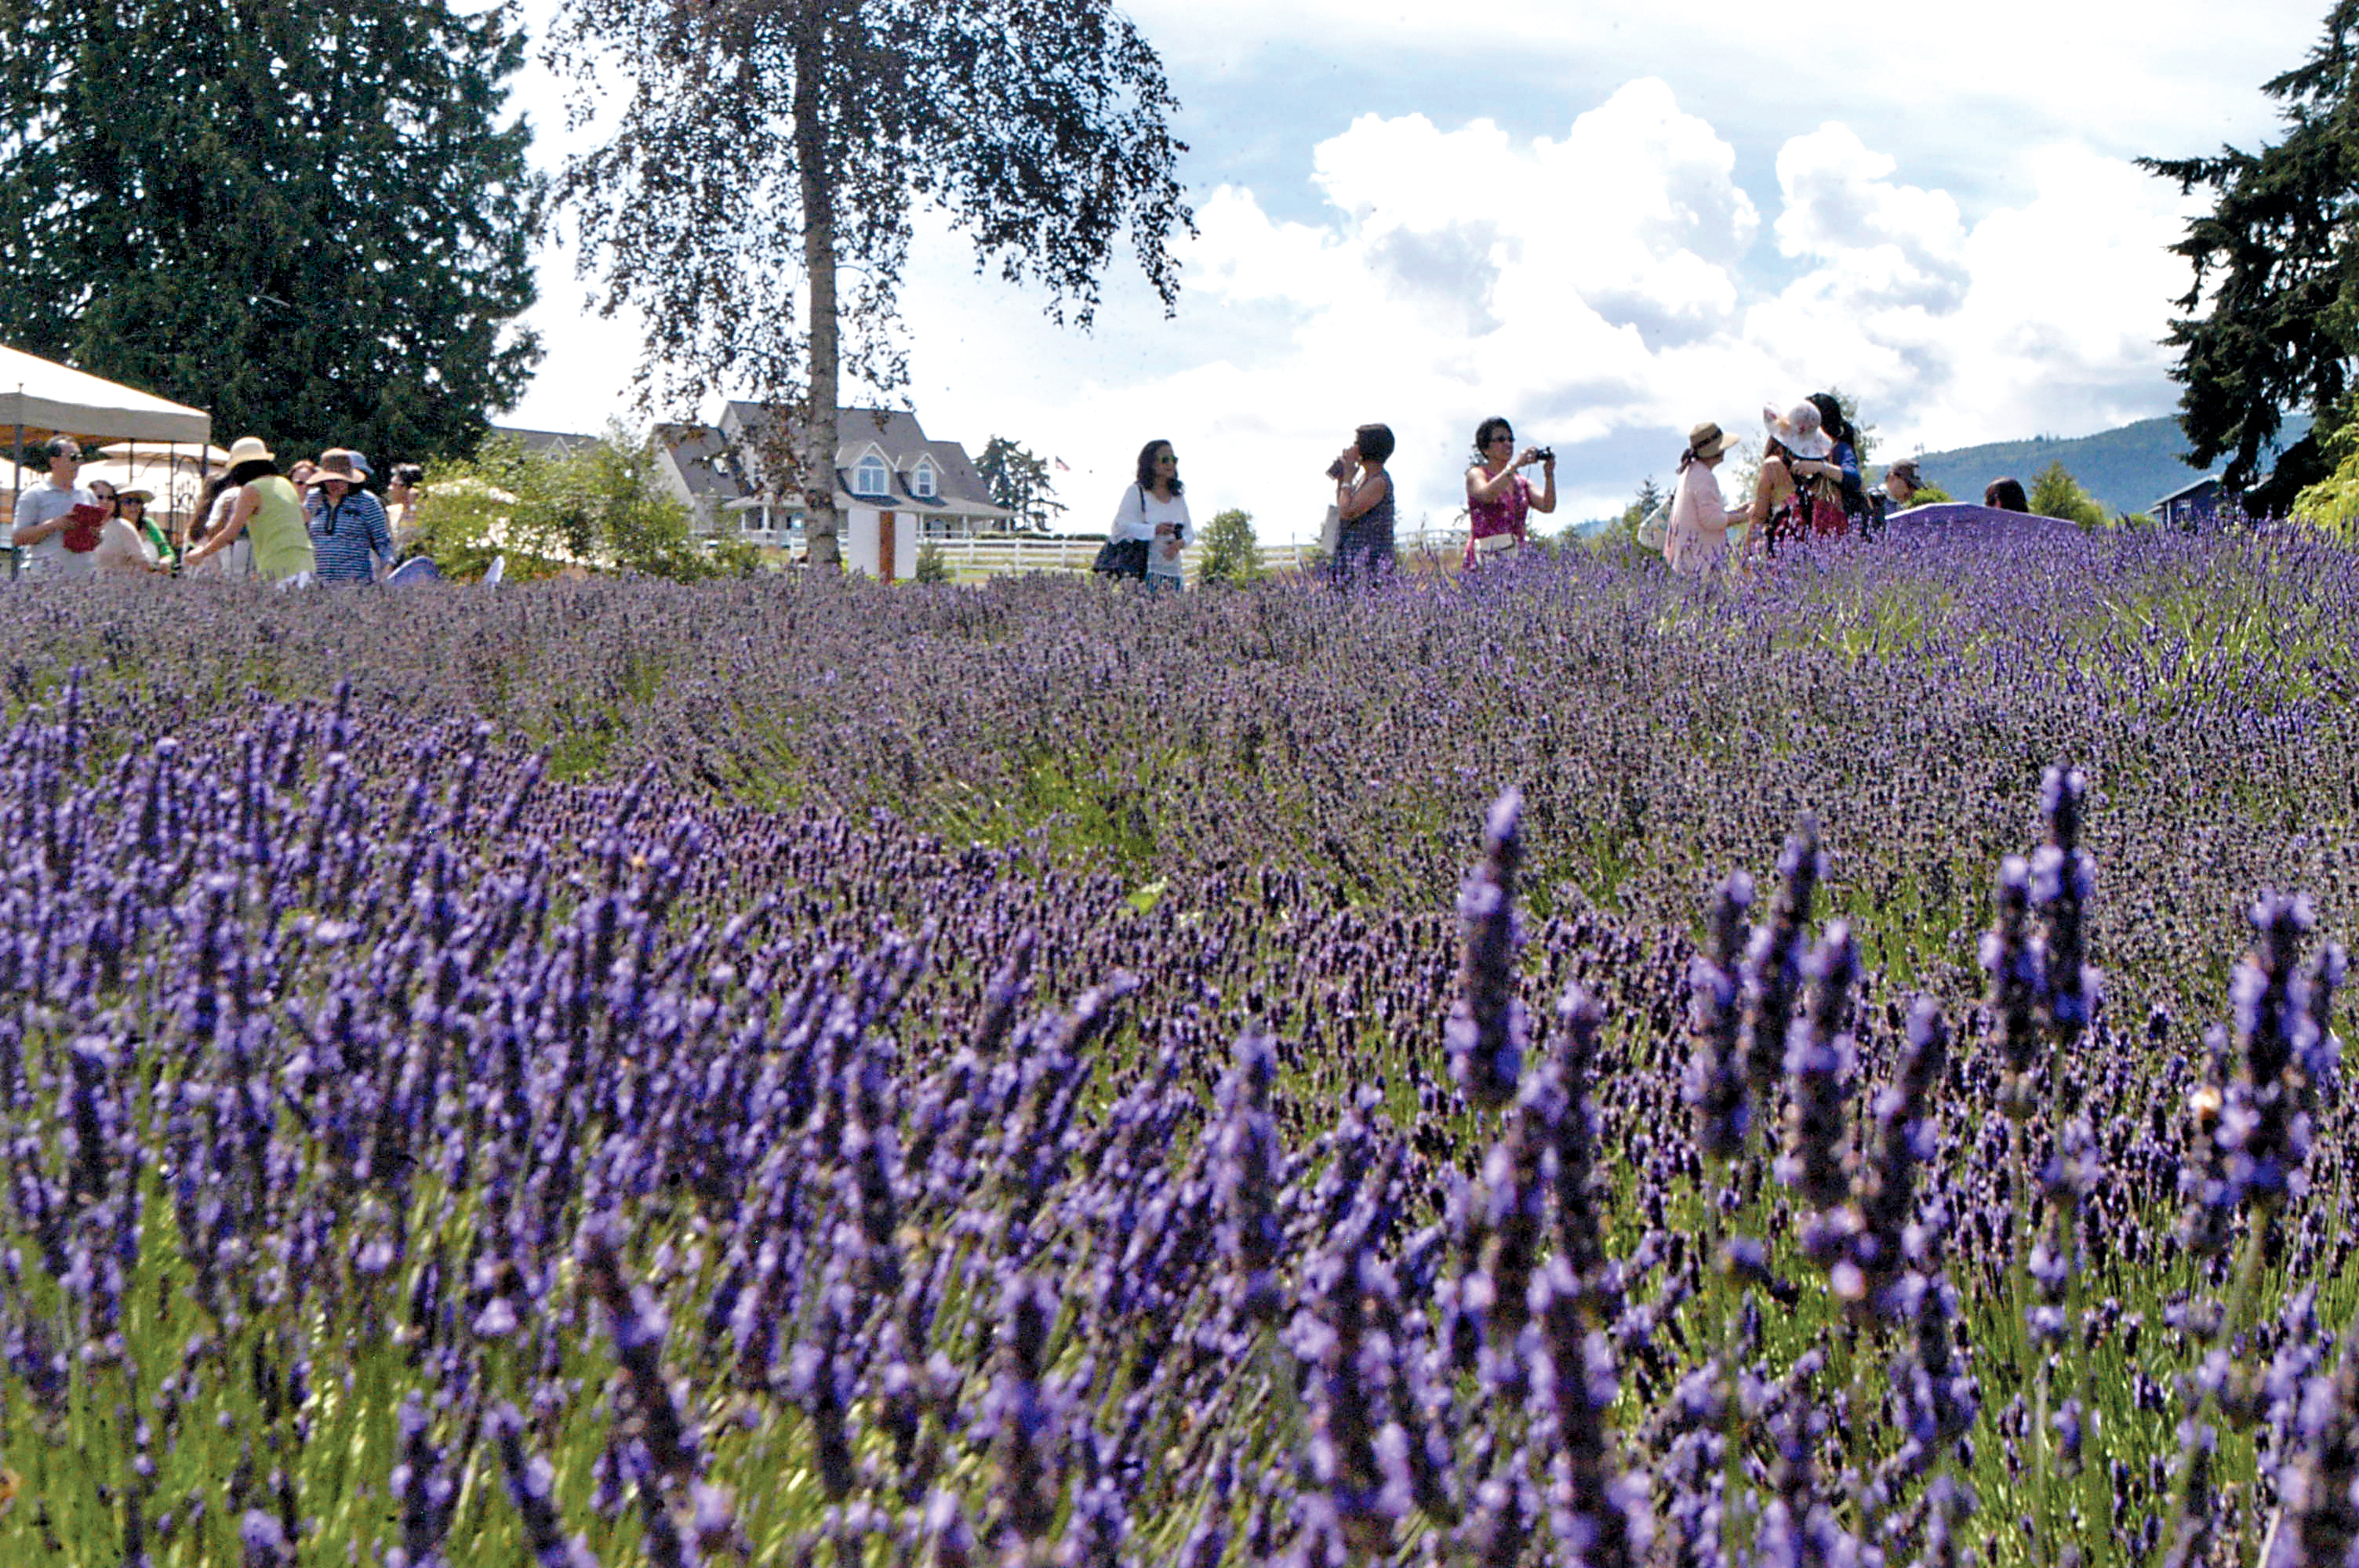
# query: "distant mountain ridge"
2128,469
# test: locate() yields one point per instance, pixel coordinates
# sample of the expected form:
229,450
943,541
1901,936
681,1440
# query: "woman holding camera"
1364,506
1499,499
1153,512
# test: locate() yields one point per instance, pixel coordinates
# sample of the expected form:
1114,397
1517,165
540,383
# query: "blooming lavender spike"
1772,970
1818,1064
638,1325
1714,1086
1022,1416
1247,1174
531,1483
1488,1031
2062,880
1884,1197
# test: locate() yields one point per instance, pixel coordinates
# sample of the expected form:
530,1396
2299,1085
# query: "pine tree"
1020,481
309,220
2277,263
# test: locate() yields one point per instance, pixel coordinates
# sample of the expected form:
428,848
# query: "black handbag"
1124,557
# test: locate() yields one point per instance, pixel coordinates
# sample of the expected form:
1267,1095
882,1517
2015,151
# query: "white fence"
972,560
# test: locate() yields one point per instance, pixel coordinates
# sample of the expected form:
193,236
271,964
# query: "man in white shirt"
54,544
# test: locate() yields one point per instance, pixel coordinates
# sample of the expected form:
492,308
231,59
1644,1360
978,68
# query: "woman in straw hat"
262,513
1697,540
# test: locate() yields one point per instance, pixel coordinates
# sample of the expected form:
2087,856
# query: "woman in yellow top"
265,510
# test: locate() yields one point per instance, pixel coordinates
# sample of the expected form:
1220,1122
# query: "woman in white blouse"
1154,510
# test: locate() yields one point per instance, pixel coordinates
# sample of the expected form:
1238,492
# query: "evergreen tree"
1020,481
309,220
2277,277
1232,553
767,148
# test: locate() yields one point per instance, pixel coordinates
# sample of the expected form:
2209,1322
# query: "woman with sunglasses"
121,549
1499,499
131,505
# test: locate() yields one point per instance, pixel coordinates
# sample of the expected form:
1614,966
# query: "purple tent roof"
1961,516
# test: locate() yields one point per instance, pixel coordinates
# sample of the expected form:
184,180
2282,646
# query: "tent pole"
17,482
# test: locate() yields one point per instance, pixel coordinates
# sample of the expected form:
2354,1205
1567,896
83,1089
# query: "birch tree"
757,164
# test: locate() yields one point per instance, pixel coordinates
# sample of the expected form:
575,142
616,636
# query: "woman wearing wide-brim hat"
257,506
131,505
125,545
1798,493
1697,539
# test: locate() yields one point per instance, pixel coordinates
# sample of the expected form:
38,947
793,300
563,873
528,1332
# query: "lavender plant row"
417,1158
1909,695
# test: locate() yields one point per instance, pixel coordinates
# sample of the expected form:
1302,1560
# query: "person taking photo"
1499,499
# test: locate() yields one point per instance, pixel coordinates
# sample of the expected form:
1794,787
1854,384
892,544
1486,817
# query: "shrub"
932,565
599,509
2056,493
1232,553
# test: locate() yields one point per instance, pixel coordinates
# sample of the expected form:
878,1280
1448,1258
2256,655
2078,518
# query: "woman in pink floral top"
1499,499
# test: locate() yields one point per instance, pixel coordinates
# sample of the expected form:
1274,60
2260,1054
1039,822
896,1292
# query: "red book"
82,525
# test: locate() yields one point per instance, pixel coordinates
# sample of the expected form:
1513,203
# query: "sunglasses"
1500,441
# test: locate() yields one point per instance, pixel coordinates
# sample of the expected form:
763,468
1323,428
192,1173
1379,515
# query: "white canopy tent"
36,396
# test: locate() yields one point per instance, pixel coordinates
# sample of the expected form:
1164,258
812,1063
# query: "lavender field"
1564,1068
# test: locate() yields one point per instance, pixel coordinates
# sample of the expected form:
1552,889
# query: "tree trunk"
816,171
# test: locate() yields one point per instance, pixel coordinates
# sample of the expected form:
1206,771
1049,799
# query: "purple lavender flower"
1247,1177
1819,1058
531,1483
1487,1029
2017,962
1714,1086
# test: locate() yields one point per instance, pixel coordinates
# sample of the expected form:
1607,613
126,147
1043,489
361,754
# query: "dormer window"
871,476
922,481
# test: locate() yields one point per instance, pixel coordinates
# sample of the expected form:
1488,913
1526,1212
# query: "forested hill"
2128,469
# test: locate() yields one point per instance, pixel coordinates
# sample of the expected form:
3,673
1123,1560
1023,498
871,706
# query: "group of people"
1808,487
315,522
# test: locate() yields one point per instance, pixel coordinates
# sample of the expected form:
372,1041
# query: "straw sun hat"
1709,440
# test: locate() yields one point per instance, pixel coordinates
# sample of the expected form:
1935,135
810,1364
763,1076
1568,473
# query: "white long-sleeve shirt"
1137,518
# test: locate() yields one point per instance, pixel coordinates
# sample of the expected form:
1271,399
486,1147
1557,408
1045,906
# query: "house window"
871,476
922,483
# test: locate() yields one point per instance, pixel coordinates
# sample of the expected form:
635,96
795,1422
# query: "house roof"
703,457
543,443
2186,492
894,433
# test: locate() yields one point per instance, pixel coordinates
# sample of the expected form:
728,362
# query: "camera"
1340,470
1543,454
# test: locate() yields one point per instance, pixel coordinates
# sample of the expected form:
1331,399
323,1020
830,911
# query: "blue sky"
1607,225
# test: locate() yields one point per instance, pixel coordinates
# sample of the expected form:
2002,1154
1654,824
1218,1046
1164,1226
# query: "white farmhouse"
893,487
